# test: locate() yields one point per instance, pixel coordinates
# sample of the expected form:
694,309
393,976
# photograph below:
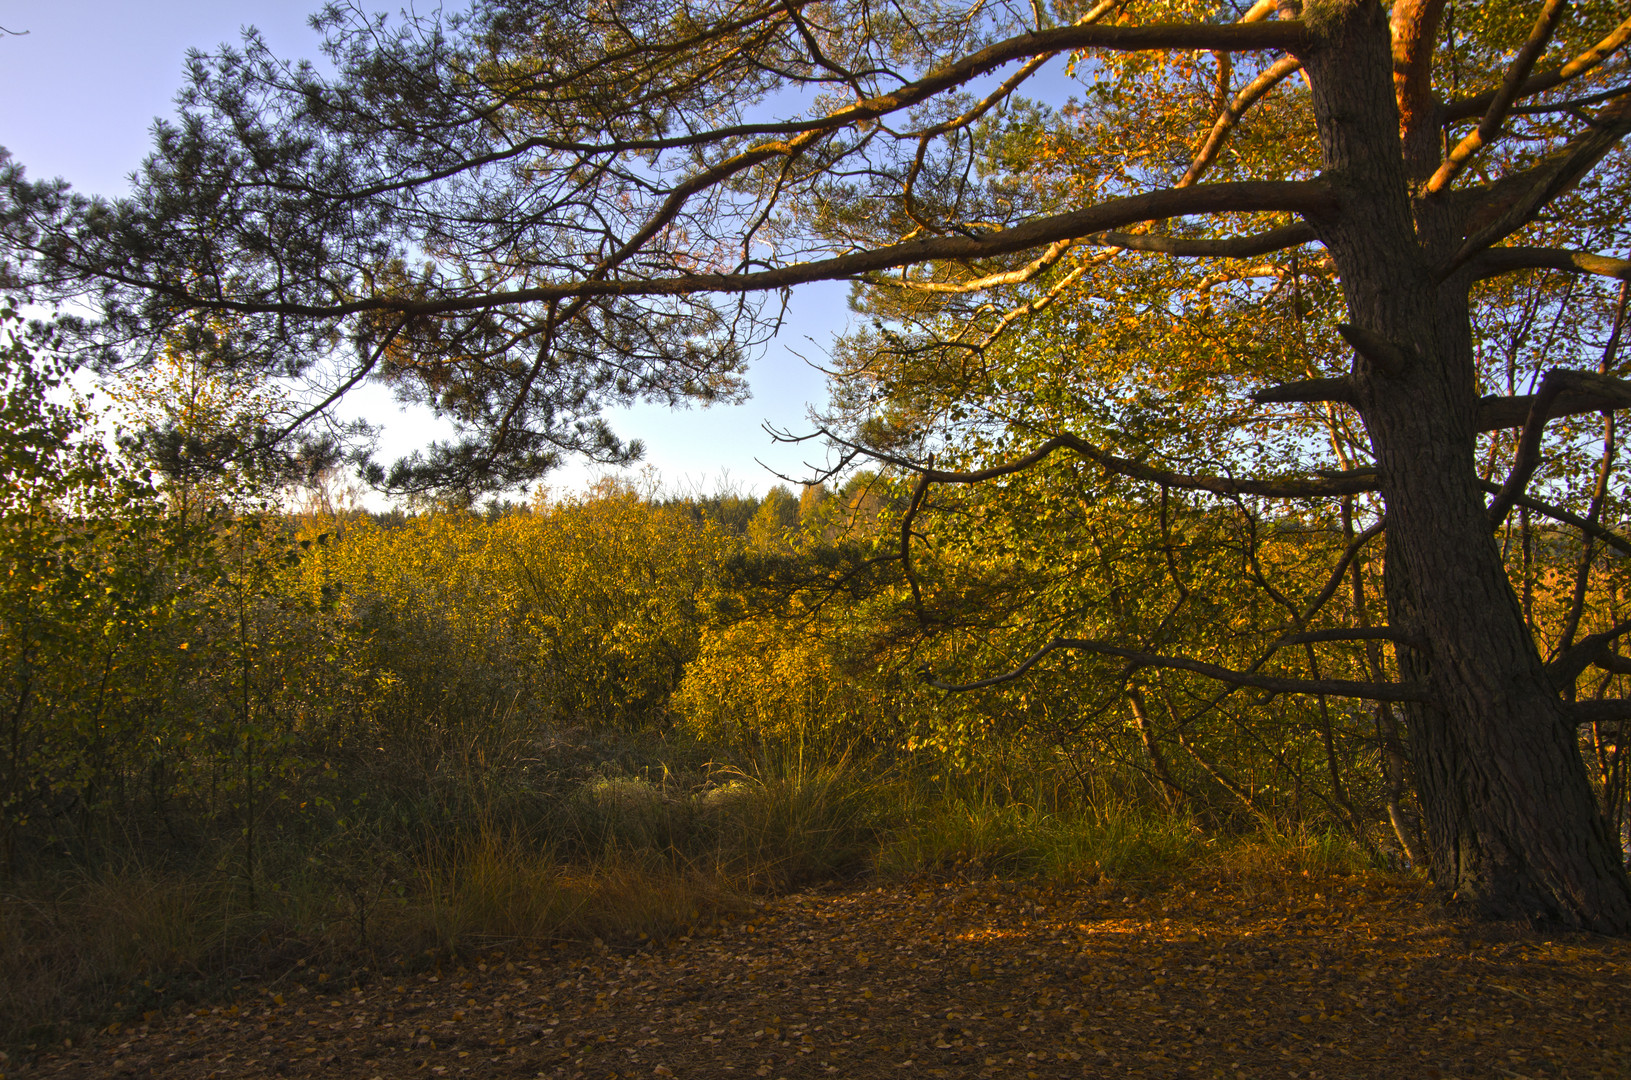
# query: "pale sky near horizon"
85,79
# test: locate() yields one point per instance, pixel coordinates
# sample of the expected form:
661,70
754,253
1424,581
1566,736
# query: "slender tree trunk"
1173,792
1511,824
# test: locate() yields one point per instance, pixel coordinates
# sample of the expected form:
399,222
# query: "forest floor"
1288,976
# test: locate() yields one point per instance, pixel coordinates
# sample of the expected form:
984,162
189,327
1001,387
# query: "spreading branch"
1506,260
1572,394
1605,711
1283,488
1310,198
1228,247
1359,633
1275,684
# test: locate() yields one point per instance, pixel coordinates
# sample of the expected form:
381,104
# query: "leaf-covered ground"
1315,977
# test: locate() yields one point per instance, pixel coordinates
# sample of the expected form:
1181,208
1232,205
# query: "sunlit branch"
1030,270
1307,197
1336,687
1490,126
1505,260
1037,303
1414,26
1249,96
1278,271
1467,108
1226,247
990,101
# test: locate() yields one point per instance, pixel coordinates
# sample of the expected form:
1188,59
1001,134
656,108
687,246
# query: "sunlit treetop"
527,212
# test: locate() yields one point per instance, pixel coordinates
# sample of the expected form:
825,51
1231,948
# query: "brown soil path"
1299,977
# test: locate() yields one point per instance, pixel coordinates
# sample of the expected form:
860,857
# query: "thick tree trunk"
1511,823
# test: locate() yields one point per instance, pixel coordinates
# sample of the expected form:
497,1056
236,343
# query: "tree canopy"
1277,252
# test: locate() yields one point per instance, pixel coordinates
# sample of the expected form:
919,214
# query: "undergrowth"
619,851
1121,842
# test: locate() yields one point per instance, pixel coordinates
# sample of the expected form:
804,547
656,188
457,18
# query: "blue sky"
86,79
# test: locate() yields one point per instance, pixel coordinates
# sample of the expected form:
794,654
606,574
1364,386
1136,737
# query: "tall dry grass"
611,857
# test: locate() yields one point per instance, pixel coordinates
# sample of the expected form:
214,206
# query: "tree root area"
1290,976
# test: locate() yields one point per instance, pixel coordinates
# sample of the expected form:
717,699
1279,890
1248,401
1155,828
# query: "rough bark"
1511,824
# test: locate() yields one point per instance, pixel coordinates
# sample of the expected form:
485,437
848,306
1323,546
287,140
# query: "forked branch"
1568,666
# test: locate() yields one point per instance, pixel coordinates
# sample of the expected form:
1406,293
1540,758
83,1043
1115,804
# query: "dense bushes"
231,732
